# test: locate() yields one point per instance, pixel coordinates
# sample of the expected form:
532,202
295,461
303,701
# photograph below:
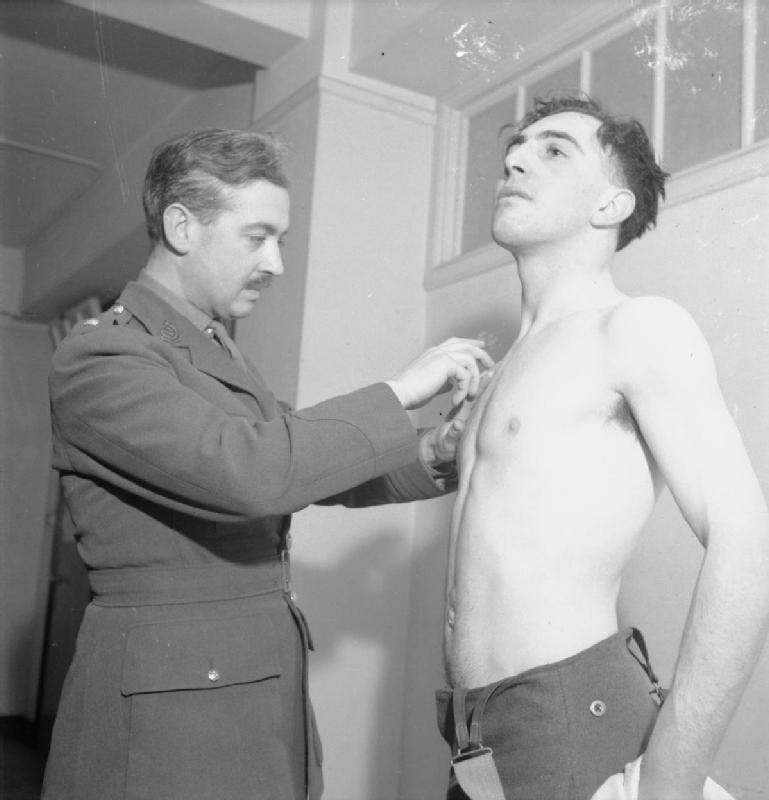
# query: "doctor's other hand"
439,445
453,364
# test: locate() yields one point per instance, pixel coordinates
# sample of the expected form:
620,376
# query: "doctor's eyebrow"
264,227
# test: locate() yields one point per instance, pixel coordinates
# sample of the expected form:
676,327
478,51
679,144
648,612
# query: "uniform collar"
164,320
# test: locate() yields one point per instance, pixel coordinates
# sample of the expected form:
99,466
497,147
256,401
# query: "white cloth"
624,786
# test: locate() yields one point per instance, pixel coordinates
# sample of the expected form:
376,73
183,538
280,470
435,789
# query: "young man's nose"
515,163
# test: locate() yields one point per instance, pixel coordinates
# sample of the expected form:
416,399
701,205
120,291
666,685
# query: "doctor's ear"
178,228
615,207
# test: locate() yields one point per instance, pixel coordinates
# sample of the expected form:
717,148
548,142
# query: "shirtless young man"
601,401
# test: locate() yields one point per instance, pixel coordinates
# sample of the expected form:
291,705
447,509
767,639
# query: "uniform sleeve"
121,415
412,482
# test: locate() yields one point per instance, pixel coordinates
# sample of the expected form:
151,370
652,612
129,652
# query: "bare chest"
551,389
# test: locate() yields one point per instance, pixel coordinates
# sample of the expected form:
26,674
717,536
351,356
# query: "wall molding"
279,112
381,96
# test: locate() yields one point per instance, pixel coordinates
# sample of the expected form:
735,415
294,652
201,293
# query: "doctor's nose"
272,262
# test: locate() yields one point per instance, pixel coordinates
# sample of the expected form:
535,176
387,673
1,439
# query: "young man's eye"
554,150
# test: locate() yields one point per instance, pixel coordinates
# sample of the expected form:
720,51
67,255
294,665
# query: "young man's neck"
557,283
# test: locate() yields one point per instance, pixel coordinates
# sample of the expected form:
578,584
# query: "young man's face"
236,256
555,175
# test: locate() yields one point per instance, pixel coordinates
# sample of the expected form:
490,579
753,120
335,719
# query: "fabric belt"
473,763
141,586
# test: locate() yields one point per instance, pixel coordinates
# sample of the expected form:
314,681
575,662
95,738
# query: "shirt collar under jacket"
198,318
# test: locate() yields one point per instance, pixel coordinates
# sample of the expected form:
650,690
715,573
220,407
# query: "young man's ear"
178,228
615,207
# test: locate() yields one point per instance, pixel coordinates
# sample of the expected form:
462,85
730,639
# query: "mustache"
262,282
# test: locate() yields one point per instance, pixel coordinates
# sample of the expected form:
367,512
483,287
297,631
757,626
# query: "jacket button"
118,308
213,675
598,708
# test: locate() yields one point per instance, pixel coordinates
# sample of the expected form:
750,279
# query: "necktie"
220,335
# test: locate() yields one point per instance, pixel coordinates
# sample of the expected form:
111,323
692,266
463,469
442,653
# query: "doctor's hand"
453,364
439,445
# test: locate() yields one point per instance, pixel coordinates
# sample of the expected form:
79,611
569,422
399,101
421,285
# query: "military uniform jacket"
179,470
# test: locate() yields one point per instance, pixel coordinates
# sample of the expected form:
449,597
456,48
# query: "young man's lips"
507,194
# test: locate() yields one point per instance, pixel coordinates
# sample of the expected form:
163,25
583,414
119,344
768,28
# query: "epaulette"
116,314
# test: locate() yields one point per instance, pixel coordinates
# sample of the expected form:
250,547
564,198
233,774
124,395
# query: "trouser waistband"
134,586
470,739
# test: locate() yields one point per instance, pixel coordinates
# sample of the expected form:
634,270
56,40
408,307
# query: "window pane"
484,168
623,75
566,80
762,72
703,66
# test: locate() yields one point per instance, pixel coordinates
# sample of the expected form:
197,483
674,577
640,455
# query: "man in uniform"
180,470
601,400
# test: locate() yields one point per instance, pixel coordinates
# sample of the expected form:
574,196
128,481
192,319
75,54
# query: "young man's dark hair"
626,140
196,168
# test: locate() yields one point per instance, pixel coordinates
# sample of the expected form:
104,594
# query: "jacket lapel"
164,322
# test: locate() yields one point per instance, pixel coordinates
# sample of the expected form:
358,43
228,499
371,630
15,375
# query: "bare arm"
666,373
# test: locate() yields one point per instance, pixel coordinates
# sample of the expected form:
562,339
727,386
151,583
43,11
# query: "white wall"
711,255
24,480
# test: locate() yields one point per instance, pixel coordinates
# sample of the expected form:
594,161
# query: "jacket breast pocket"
204,710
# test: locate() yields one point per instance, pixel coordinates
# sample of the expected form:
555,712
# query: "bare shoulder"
654,336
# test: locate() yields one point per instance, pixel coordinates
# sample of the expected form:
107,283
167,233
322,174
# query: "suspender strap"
458,697
473,763
637,637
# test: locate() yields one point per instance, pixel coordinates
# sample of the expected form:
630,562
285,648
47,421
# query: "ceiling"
64,72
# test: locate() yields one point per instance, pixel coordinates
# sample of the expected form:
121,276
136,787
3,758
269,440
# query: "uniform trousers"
559,730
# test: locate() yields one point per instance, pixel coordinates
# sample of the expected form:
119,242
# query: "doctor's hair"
197,168
624,139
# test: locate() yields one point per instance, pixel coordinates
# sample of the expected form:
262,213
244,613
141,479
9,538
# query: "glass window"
565,80
703,61
484,167
623,75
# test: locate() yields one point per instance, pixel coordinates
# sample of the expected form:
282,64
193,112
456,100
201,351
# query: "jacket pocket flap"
199,654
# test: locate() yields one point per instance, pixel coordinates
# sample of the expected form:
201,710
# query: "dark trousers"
559,730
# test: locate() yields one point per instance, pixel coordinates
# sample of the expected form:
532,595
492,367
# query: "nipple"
514,425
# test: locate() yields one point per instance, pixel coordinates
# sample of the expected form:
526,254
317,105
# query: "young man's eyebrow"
520,138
